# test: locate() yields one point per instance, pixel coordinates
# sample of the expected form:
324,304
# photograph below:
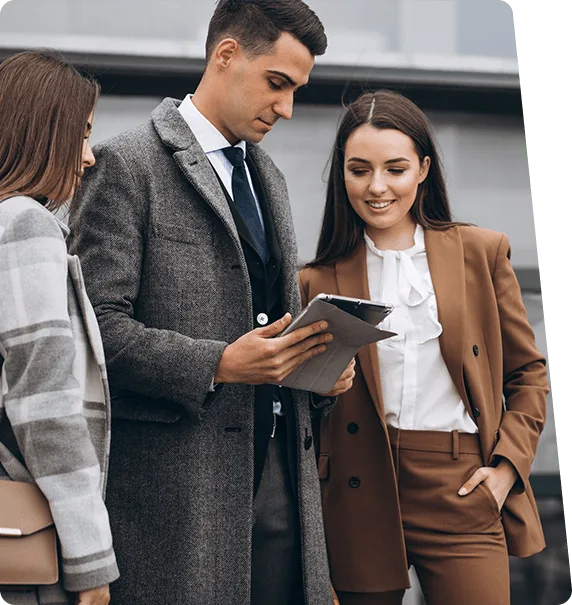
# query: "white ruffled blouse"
418,392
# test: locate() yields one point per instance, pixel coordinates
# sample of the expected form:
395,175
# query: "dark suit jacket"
167,276
489,349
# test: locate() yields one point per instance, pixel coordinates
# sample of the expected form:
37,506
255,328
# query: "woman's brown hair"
45,105
342,228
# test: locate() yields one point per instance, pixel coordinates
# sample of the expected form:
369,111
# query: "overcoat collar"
176,135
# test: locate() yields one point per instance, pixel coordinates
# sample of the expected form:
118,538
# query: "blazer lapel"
446,260
447,266
175,134
351,275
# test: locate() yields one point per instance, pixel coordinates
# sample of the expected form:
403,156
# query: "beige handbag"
28,542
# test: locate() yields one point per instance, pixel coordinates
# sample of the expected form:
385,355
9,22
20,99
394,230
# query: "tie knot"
234,155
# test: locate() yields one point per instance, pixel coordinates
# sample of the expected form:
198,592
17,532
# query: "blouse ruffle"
414,290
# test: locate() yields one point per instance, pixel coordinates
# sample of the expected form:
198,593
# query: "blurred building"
455,58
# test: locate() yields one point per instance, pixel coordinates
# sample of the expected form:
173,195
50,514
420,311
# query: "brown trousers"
456,544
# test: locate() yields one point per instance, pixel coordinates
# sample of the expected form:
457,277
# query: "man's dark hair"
257,25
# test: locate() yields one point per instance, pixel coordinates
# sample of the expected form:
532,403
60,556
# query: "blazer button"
308,442
353,428
354,482
476,411
262,319
475,350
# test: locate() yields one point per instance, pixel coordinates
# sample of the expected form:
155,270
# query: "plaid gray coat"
54,390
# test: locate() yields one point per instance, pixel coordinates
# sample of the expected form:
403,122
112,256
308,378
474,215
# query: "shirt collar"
417,248
208,136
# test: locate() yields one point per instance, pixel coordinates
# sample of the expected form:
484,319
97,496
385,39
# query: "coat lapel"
274,185
269,222
351,275
88,317
446,260
175,134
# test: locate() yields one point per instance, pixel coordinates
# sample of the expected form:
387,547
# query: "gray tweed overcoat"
165,272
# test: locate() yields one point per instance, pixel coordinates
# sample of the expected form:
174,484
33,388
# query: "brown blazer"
489,349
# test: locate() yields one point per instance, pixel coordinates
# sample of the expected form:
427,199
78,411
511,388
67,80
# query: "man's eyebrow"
282,75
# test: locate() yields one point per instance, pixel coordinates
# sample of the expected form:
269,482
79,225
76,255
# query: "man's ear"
224,52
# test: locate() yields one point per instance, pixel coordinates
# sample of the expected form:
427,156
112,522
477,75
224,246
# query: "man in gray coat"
186,239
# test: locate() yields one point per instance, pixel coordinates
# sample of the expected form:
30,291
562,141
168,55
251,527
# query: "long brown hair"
45,104
342,228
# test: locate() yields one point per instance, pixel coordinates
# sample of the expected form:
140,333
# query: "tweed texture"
166,273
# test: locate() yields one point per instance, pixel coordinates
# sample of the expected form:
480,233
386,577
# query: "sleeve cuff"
86,580
522,478
321,405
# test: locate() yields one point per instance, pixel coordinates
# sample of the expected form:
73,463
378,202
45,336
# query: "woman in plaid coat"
54,401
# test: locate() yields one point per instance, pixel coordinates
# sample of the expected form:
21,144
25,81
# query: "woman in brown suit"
425,461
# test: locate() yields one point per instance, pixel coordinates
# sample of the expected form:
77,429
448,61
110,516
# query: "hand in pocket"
499,479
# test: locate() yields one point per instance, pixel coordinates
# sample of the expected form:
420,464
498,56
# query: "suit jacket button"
308,442
476,411
262,319
354,482
353,428
475,350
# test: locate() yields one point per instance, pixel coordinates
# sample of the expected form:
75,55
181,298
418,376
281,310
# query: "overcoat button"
353,428
308,442
475,350
476,411
262,319
354,482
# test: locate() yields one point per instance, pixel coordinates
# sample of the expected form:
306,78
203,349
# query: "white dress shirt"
212,142
418,392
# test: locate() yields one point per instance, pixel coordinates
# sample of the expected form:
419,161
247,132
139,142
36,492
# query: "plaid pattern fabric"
54,385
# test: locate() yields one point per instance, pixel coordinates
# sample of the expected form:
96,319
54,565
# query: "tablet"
369,311
366,310
353,324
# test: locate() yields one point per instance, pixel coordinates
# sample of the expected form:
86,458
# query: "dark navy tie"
244,200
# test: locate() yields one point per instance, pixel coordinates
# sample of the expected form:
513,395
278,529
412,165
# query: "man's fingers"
478,477
299,352
276,327
295,337
301,334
